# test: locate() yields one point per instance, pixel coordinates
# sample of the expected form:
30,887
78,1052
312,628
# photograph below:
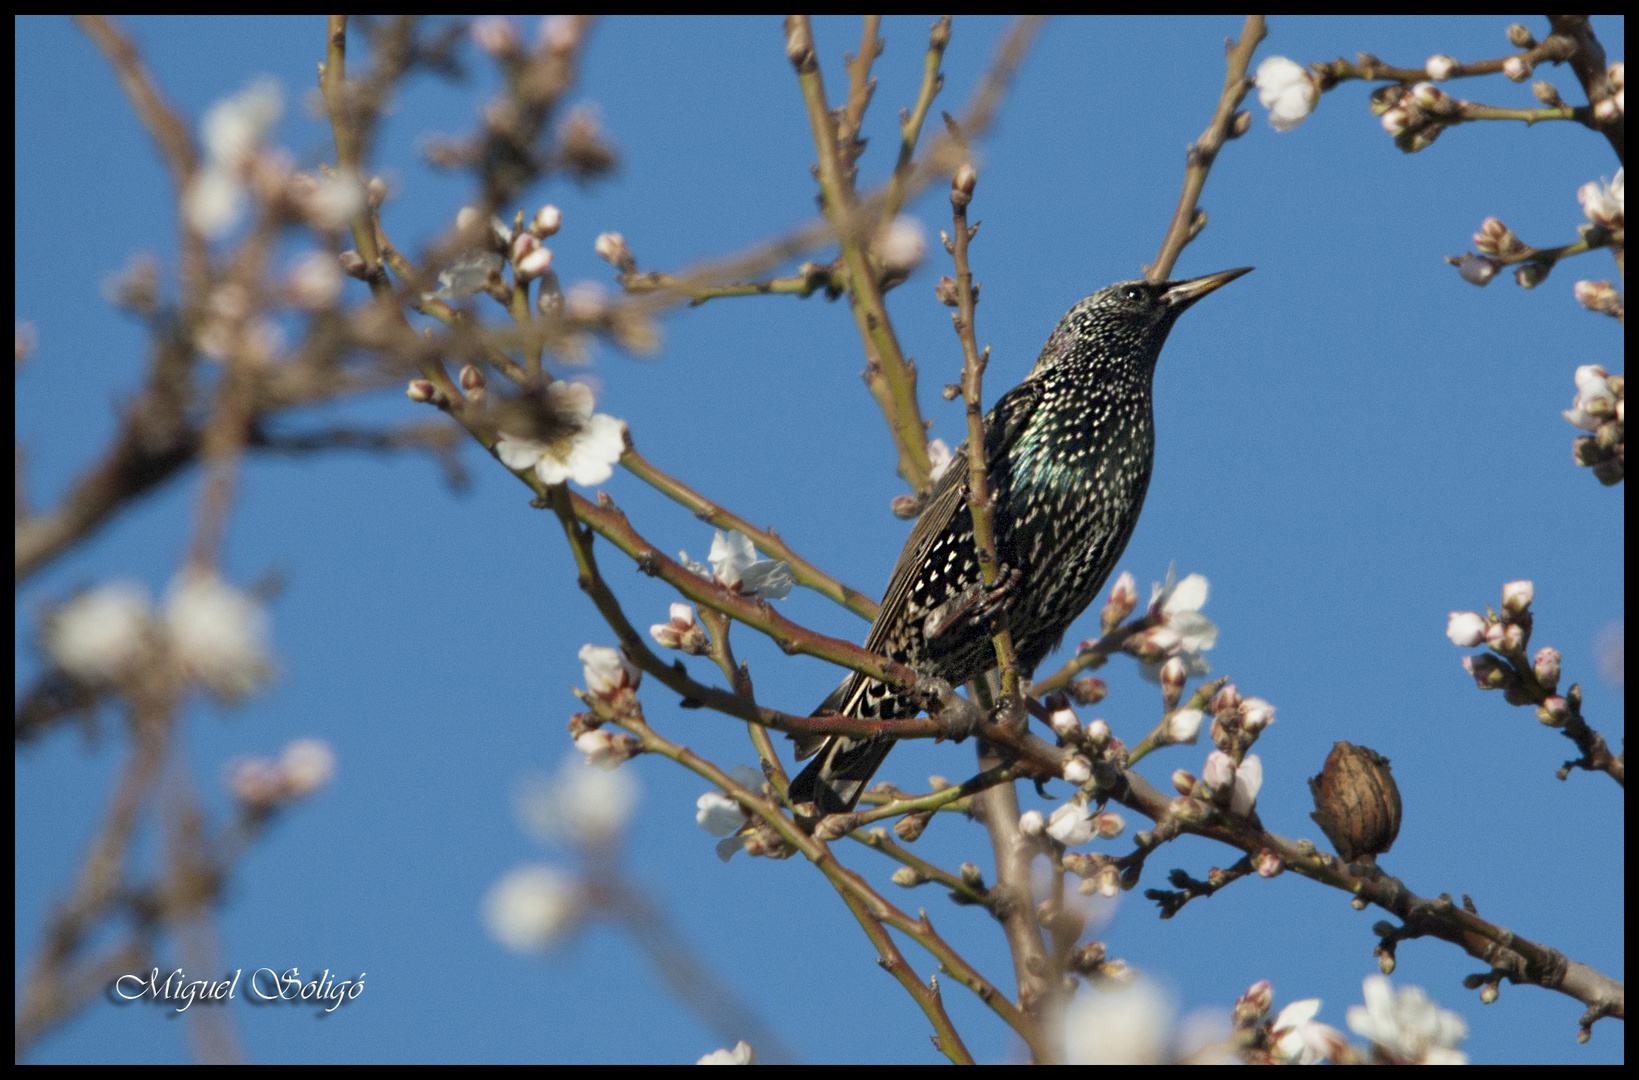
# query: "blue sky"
1351,443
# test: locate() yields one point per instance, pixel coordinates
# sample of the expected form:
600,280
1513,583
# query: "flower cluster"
216,633
722,817
611,684
1415,115
1293,1037
682,632
261,784
1507,633
734,563
1600,406
1182,631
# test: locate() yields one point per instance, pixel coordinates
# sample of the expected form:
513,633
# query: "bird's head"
1126,323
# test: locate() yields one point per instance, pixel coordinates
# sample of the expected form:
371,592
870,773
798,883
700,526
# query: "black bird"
1069,452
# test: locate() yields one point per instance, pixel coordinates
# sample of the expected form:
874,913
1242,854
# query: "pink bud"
1098,733
1183,781
1248,780
1109,825
472,378
1226,699
1107,882
611,248
1475,270
1219,772
1123,600
1546,668
421,390
1517,68
965,179
1440,67
1031,823
1256,1002
1555,712
534,264
1489,673
1268,863
1256,714
1087,690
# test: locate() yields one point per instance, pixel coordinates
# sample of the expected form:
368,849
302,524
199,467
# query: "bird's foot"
975,608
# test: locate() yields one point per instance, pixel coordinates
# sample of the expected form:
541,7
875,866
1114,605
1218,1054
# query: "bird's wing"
1002,427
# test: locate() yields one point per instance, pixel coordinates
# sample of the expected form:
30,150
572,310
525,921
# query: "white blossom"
1184,726
1603,202
1248,779
1031,823
1072,824
467,275
1130,1026
1078,770
231,131
315,281
100,632
587,451
529,908
1180,603
1288,90
1466,629
902,244
1406,1026
607,670
1299,1040
939,459
721,816
1219,770
742,1054
336,200
734,563
219,632
1594,402
603,750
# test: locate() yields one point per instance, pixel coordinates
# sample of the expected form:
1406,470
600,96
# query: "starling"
1069,452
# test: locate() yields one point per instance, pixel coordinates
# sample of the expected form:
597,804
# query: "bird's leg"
971,610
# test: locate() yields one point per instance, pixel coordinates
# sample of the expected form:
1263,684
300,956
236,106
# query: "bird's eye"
1133,292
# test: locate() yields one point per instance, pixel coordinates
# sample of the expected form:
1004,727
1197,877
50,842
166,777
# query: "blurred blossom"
1248,779
220,633
742,1054
98,633
1600,296
336,200
546,222
586,453
1288,90
303,767
231,132
938,459
494,34
902,244
734,563
1299,1040
1078,771
1180,604
1602,202
1466,629
315,280
308,764
1130,1026
1406,1026
530,908
581,804
468,274
611,248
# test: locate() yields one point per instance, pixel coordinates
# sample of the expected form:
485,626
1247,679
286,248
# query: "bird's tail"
837,776
842,767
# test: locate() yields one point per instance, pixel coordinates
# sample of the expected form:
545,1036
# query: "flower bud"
1173,675
1555,712
546,222
1109,825
1087,690
1520,36
1428,97
1268,863
1466,629
911,827
1600,296
799,44
1385,98
1488,672
1495,238
1098,733
1256,714
421,390
1357,803
1255,1004
1123,601
1546,668
1248,781
1240,125
1183,781
1396,120
1032,824
1440,67
1530,275
537,262
353,265
611,248
1516,598
496,35
1078,770
1608,110
1184,726
473,381
1155,644
1478,270
1517,68
1219,772
1063,721
1227,699
1547,93
906,878
1188,811
972,875
945,291
1106,882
